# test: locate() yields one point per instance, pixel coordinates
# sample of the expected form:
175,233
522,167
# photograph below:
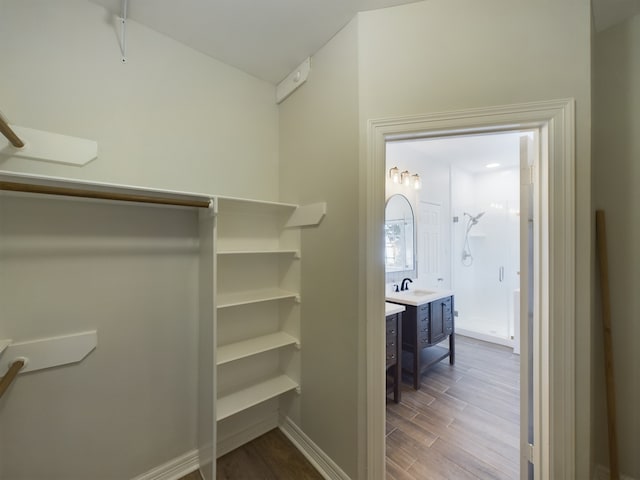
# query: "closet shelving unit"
257,298
249,292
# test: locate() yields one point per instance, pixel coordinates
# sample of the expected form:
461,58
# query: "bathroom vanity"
426,322
393,321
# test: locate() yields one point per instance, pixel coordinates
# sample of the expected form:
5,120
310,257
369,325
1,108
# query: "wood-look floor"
269,457
463,423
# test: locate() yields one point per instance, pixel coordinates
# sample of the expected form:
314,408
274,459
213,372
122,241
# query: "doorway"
552,336
467,223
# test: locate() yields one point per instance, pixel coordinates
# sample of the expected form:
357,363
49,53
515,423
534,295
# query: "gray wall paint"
319,162
131,274
616,93
443,55
169,118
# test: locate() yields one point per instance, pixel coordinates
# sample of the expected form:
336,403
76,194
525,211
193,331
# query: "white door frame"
554,452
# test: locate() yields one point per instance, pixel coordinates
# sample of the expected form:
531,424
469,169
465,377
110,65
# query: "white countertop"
391,308
418,296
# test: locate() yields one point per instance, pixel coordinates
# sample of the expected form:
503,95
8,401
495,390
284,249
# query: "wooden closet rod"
10,376
123,197
5,129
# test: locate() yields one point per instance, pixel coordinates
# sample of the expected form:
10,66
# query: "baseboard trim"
320,460
173,469
602,473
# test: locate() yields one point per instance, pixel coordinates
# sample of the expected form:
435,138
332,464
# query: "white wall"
484,303
319,162
616,178
442,55
131,274
169,118
435,177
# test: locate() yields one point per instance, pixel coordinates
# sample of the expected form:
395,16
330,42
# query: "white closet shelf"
241,400
254,205
226,300
236,351
264,251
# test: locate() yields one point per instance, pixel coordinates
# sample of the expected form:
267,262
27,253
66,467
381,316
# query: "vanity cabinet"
424,327
394,354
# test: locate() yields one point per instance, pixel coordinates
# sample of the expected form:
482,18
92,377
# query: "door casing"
554,194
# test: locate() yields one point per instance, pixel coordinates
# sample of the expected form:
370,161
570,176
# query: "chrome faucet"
404,286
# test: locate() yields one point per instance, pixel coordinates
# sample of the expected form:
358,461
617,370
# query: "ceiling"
607,13
471,153
270,38
267,39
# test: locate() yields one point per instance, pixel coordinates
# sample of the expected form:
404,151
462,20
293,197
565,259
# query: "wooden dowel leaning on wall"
603,262
5,129
83,193
10,376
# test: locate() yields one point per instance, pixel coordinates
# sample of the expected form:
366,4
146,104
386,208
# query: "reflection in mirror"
399,231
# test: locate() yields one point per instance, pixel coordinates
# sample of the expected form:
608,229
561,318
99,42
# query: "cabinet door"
448,316
423,325
437,329
409,328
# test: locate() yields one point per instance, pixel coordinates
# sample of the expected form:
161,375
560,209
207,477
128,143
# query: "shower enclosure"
485,254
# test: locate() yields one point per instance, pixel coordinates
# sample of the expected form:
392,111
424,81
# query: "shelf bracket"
307,215
299,390
49,352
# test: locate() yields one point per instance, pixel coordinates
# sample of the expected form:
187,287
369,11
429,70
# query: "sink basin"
421,292
417,297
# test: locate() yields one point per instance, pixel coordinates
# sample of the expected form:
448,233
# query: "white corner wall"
168,118
616,177
443,55
319,162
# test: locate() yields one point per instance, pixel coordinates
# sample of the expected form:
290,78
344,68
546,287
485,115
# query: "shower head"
473,220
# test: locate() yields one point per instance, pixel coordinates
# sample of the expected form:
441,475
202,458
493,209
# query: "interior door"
430,244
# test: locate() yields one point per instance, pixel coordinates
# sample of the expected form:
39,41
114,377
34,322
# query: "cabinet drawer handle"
392,332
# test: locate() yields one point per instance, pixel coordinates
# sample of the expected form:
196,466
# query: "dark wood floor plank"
269,457
394,472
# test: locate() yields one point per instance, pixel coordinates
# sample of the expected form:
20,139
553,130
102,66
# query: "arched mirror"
399,236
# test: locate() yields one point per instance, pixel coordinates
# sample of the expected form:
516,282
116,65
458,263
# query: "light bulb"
394,174
405,177
417,183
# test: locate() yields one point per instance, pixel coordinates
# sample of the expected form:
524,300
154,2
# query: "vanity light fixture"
417,183
405,178
394,174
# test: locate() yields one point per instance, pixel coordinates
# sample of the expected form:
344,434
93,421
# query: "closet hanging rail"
6,130
10,376
97,194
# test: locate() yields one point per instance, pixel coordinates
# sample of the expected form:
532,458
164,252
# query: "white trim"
602,473
320,460
173,469
485,337
557,292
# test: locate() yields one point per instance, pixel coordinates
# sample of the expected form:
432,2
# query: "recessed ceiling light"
492,165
